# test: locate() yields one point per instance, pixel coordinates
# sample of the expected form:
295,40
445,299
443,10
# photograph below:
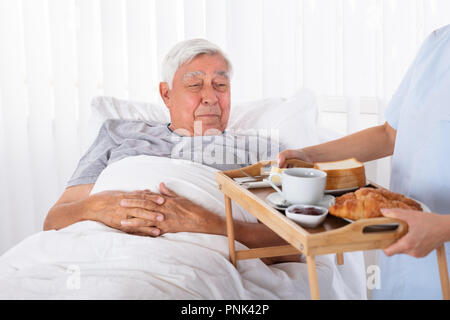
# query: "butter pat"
276,179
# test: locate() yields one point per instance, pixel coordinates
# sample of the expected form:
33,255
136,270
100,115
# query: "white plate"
278,202
345,190
391,226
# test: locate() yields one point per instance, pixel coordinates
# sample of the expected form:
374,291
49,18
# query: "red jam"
307,211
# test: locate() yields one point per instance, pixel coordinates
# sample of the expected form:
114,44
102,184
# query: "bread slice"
343,174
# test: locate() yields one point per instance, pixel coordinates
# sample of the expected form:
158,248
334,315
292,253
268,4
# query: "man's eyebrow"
223,74
193,74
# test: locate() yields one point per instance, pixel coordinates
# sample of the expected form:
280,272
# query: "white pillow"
103,108
296,118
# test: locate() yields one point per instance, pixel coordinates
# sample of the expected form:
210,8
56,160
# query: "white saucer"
278,202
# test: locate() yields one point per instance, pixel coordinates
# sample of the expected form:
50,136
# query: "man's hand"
106,207
426,232
180,214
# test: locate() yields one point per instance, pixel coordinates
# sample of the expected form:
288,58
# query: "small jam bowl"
307,220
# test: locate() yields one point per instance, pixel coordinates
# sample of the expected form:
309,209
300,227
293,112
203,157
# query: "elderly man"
196,90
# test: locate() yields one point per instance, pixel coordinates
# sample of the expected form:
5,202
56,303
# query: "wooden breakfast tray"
335,235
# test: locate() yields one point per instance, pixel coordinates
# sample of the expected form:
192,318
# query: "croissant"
367,202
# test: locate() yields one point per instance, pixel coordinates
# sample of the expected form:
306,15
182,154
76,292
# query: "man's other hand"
126,211
180,214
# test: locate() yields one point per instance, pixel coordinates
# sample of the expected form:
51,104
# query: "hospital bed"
89,260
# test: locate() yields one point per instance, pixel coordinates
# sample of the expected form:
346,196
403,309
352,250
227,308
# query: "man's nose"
209,96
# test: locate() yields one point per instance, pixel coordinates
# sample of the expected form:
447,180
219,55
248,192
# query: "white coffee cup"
301,185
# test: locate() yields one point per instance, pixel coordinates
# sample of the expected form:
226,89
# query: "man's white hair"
183,52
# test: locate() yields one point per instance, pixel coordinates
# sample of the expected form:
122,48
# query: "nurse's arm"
426,232
366,145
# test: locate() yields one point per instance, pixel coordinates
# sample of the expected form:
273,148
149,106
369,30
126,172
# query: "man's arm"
182,215
366,145
258,235
252,235
76,204
69,209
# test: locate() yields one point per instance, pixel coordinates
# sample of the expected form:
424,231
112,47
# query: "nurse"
417,134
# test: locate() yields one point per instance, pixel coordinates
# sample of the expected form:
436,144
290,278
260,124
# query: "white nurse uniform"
420,112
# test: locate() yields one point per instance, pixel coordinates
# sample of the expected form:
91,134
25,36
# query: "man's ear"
164,92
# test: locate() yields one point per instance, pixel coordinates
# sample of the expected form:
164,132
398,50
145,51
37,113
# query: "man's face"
199,101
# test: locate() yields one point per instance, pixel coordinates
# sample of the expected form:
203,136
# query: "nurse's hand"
426,232
292,154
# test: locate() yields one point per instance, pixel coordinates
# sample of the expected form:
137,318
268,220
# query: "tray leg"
312,276
340,258
230,230
443,272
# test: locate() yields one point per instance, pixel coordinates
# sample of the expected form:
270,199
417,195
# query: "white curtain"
55,55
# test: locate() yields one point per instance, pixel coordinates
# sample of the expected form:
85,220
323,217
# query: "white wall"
55,55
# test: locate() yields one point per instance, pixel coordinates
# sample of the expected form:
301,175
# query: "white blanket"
89,260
